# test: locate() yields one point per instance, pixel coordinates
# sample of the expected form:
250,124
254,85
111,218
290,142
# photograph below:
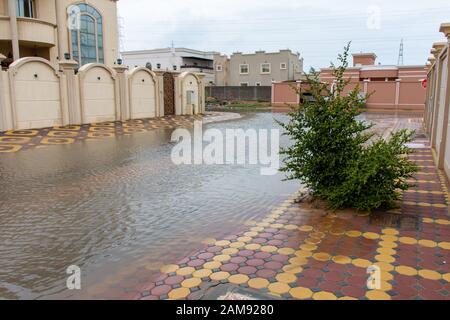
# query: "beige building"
437,118
61,68
56,29
257,69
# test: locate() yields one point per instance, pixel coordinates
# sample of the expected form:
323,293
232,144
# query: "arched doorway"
169,94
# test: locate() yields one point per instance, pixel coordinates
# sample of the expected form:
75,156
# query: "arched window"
87,40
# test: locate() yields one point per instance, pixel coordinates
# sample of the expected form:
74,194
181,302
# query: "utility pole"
401,54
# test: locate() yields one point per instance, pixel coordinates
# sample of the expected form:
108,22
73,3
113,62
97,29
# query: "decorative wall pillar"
13,26
67,68
160,97
437,48
124,110
445,28
178,95
397,94
201,93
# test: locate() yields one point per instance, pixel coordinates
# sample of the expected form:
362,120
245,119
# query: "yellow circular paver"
277,226
306,228
347,298
318,234
292,269
185,271
384,266
222,243
263,224
169,268
428,243
362,263
253,246
377,295
304,254
237,244
446,277
286,278
407,240
269,249
385,286
291,227
371,235
230,251
430,274
251,234
321,256
390,231
279,288
258,283
222,258
342,259
313,241
301,293
353,234
406,271
388,244
212,265
298,261
444,245
191,283
244,239
286,251
443,222
308,247
387,251
219,276
209,241
385,258
389,238
180,293
337,232
324,296
386,276
257,229
238,279
203,273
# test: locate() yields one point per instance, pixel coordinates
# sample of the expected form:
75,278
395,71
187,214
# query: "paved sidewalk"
17,140
296,252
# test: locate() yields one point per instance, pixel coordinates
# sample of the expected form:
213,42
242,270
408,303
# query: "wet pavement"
118,208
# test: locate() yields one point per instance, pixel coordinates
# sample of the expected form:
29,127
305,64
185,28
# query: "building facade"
436,118
58,30
258,69
173,59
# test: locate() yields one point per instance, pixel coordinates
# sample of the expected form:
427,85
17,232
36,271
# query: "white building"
173,59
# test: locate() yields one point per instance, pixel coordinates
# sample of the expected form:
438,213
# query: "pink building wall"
392,89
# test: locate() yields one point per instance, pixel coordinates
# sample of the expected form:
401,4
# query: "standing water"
119,207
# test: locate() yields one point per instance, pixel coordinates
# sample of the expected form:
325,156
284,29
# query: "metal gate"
169,94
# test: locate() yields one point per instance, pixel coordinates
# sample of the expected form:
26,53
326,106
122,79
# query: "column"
397,95
67,68
13,26
60,28
445,29
124,112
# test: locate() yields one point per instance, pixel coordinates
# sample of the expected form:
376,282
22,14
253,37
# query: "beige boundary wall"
436,119
36,94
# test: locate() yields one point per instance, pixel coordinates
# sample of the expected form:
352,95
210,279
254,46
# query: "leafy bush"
336,155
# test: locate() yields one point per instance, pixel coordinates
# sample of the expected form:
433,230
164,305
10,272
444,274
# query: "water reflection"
115,207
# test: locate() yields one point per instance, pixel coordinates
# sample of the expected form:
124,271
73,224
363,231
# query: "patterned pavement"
298,252
14,141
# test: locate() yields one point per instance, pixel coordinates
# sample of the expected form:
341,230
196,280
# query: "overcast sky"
318,29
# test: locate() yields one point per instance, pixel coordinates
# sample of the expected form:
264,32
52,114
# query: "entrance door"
169,94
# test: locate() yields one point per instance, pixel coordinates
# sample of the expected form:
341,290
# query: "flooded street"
119,209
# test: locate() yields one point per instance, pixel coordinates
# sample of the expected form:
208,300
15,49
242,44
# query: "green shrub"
336,155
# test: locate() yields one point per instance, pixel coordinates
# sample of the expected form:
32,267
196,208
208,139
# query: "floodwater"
119,209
